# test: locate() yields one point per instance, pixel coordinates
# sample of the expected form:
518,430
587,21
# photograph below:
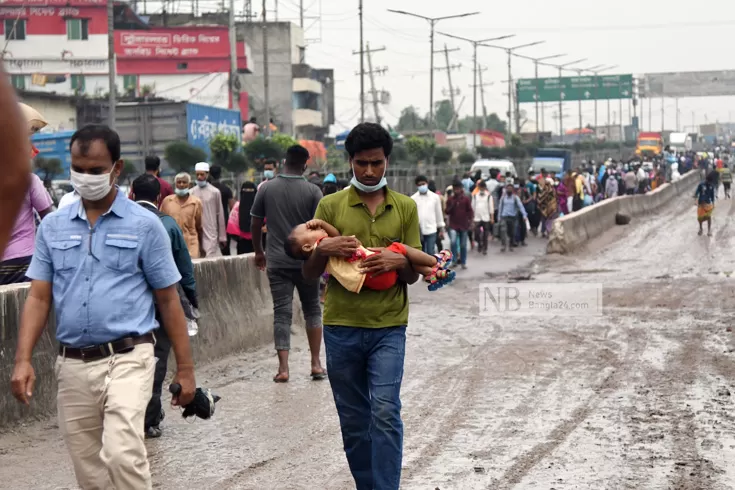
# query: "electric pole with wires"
371,73
452,92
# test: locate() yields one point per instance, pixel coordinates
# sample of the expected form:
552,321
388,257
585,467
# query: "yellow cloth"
348,273
579,182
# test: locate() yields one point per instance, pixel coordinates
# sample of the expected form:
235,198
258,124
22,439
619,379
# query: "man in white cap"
19,251
213,214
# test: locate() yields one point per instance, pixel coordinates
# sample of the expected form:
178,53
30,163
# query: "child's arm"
317,223
417,258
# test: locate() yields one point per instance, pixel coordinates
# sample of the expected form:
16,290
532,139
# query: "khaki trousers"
101,408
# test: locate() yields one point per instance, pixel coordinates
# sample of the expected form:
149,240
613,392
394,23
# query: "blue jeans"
458,239
365,367
428,243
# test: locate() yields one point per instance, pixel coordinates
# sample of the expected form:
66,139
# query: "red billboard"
189,43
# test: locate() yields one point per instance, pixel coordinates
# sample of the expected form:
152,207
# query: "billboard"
601,87
203,122
203,42
688,84
55,145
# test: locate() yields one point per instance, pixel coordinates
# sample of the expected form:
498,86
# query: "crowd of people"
118,272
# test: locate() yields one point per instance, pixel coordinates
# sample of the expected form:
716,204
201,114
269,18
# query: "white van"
484,167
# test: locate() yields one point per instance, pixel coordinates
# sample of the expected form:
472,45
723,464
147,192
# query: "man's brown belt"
97,352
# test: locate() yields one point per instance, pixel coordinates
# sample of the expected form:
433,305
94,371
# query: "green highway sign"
601,87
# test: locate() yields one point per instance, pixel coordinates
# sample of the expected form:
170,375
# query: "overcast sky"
640,36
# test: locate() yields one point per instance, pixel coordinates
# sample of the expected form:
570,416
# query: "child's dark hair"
290,245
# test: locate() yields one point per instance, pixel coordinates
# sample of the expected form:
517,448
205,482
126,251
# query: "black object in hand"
202,405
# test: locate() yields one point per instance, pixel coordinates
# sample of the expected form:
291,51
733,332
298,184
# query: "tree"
284,141
399,153
222,146
336,159
466,157
442,154
128,171
410,120
443,114
48,169
182,156
262,149
420,149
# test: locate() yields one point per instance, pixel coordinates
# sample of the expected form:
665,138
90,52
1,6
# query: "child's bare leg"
423,270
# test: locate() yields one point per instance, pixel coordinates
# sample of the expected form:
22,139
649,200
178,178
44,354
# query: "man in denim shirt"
102,260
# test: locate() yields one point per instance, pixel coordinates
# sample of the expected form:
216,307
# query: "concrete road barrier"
574,230
236,315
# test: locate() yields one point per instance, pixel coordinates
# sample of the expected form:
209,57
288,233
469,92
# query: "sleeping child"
304,239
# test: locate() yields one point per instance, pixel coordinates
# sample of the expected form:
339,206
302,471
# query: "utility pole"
248,10
510,53
265,75
482,97
372,82
362,69
234,82
677,114
301,14
112,97
432,23
449,67
475,74
663,122
371,72
650,114
536,63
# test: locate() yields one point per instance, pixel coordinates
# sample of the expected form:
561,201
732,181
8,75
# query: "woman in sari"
563,192
547,205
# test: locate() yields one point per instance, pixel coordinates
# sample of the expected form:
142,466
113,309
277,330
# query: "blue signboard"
55,145
203,122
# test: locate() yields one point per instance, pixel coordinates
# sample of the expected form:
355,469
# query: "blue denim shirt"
103,277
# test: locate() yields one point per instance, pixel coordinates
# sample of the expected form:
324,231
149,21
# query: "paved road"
637,399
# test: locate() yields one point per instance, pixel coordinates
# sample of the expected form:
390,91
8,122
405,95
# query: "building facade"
61,46
301,98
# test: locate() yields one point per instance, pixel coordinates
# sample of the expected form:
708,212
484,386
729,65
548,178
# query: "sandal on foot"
318,376
281,378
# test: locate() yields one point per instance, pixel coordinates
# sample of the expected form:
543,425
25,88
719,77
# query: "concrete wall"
237,315
574,230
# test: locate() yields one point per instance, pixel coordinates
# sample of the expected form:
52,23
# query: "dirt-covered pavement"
640,398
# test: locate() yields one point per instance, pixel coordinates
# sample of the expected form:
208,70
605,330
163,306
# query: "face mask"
91,187
509,193
368,188
423,189
202,183
181,192
268,174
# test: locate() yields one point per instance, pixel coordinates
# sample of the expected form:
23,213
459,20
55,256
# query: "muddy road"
639,398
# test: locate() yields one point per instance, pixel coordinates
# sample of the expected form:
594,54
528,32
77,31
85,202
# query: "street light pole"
474,80
536,62
579,102
510,51
597,72
561,90
432,22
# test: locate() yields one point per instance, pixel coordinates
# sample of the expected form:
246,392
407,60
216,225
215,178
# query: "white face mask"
92,187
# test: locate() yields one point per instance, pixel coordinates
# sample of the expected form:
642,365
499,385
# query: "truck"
146,128
556,161
649,144
680,142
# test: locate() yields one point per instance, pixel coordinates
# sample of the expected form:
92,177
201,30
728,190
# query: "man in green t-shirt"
365,333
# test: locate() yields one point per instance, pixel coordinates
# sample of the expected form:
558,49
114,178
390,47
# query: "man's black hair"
457,183
97,132
271,161
368,136
146,188
152,163
215,171
253,120
421,178
432,186
296,157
